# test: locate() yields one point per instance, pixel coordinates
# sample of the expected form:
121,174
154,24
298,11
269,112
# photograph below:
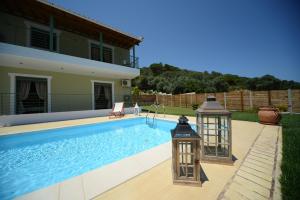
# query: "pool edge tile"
48,193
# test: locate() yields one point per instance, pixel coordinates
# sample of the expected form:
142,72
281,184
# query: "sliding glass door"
102,95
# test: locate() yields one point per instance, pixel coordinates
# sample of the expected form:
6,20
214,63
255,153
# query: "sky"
242,37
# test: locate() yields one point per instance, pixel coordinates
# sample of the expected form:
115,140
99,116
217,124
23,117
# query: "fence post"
242,100
250,99
225,101
290,101
180,100
269,98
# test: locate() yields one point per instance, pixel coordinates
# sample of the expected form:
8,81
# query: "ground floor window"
31,95
102,95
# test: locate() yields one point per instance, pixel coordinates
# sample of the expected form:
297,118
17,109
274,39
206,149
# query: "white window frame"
13,89
105,45
30,24
112,91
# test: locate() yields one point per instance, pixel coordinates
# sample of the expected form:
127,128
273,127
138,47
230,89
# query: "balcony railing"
61,103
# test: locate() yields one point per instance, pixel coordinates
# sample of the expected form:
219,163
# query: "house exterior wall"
69,92
14,30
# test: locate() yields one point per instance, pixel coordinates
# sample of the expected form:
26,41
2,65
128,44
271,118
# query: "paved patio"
254,174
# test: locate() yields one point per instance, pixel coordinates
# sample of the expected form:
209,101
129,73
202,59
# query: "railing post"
133,54
51,23
101,46
290,101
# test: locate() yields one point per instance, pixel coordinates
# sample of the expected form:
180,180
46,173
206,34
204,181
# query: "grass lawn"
245,116
290,166
290,178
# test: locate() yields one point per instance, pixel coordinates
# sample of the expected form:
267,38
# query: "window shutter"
107,55
40,39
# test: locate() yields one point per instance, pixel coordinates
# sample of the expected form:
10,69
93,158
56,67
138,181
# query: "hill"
170,79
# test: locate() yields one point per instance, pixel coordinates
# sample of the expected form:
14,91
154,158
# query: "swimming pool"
33,160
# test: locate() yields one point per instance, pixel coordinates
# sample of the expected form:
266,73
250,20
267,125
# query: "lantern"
214,127
185,154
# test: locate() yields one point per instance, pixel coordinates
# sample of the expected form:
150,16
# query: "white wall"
11,120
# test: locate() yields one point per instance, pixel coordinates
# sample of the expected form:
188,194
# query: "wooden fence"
234,100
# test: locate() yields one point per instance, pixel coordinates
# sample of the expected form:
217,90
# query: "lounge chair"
118,110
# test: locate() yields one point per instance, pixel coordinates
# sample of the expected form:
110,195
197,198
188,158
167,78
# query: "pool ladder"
155,107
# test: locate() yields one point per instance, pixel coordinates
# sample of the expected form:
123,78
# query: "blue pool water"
33,160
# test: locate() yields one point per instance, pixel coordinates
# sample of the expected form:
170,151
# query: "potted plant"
269,115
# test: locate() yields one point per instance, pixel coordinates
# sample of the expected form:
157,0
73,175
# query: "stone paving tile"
253,186
260,160
262,152
255,177
246,192
258,166
233,195
269,158
254,172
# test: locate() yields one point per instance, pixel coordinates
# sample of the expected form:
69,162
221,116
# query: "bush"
195,106
282,108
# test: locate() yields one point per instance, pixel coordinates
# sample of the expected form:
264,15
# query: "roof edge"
139,38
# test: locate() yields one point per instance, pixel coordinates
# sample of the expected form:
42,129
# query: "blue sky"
247,38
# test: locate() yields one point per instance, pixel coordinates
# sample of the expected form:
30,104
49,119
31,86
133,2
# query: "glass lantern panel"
190,171
223,150
210,150
212,120
190,159
209,139
182,158
182,170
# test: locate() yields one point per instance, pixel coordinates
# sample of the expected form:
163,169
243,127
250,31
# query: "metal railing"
11,103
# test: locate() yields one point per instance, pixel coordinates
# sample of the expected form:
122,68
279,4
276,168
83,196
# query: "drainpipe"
101,46
51,32
133,54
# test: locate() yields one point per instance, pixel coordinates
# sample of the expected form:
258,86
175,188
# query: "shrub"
195,106
282,108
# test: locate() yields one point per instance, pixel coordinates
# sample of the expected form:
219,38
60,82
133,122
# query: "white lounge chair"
118,110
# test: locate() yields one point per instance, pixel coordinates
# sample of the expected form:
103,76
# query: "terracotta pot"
269,115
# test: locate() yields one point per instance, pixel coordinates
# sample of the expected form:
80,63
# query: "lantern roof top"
212,106
183,130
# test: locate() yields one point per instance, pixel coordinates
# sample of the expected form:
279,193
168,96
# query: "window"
41,39
107,53
31,95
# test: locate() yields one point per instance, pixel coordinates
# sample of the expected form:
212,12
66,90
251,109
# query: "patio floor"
254,174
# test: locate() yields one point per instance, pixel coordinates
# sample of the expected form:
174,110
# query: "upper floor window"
41,39
107,53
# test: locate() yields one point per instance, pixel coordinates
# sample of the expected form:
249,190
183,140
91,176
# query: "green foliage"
195,106
135,91
282,108
170,79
